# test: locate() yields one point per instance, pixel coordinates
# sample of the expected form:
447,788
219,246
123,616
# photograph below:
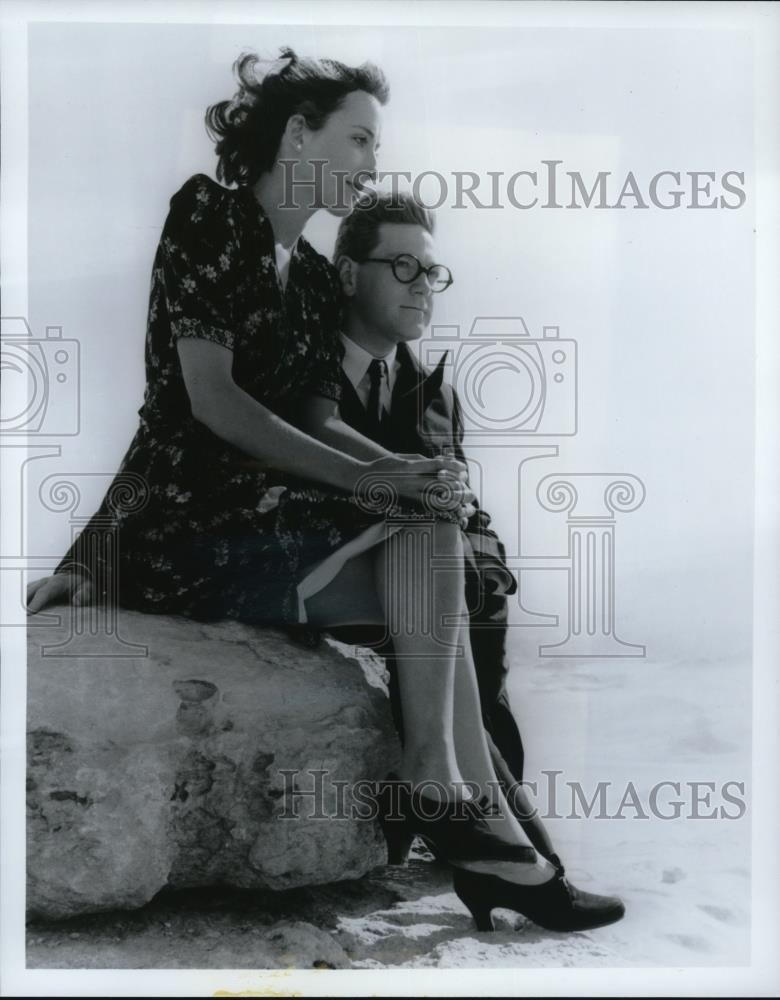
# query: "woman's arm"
320,418
238,418
242,421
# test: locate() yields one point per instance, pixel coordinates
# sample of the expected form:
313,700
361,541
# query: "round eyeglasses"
407,268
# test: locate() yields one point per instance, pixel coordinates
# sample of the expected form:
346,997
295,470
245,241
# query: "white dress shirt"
355,364
283,257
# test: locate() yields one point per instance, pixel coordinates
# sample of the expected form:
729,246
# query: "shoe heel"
480,911
399,842
393,819
475,901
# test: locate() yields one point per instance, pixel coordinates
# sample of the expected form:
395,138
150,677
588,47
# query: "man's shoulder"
406,356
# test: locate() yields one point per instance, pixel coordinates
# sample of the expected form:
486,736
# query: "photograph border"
762,976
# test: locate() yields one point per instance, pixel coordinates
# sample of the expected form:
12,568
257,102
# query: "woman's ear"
347,269
294,131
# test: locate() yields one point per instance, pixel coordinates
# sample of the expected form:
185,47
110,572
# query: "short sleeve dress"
190,524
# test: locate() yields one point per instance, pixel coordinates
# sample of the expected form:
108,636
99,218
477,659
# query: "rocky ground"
340,925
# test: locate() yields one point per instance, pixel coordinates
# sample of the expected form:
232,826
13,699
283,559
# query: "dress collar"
255,212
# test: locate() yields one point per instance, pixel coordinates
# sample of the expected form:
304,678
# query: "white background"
659,302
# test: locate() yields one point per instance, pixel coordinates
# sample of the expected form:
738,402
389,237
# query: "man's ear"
347,269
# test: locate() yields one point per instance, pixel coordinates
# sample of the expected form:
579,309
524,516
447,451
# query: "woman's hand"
435,483
466,510
53,589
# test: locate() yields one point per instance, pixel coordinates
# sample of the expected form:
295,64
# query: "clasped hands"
413,476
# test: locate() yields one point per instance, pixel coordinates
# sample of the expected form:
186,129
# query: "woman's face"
347,143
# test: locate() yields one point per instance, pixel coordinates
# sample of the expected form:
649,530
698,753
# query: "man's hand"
467,511
55,589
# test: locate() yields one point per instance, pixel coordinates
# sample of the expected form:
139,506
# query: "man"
388,396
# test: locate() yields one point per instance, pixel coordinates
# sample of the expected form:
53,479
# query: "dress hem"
326,571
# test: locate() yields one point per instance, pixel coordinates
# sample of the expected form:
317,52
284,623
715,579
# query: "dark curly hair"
248,129
358,233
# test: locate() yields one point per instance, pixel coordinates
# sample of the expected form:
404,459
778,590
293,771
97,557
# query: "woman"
234,511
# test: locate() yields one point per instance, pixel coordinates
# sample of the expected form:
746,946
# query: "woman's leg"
350,598
425,612
422,606
394,584
476,766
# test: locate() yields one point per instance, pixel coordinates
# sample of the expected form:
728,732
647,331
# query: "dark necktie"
377,371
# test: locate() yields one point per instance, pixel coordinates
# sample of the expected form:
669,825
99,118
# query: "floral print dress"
192,525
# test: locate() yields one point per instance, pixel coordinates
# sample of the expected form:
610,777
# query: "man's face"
393,310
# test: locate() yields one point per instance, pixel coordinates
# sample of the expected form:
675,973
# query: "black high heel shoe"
555,905
454,832
392,805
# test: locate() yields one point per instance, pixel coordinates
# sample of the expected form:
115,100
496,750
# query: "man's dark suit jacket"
426,419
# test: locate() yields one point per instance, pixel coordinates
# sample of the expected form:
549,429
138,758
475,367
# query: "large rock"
165,767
